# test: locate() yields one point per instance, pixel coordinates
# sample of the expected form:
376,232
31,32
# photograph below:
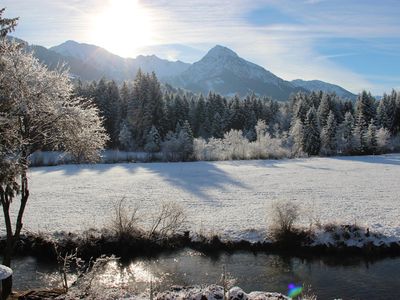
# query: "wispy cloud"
287,49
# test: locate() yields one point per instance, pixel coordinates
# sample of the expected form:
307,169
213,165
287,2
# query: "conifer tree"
386,112
365,110
217,127
324,109
125,95
345,134
153,140
358,139
200,117
297,134
186,135
311,138
371,139
328,135
125,137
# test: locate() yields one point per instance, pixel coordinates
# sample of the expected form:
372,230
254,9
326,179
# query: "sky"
352,43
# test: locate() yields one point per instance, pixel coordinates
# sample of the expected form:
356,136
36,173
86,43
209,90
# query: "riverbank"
212,292
327,240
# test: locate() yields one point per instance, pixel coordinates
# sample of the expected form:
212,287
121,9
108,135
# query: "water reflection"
329,277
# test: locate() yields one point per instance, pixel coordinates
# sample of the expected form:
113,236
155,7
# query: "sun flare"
122,27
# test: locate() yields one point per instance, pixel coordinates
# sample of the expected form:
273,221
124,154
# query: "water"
330,278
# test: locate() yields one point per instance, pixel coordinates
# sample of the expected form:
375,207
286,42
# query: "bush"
168,220
235,146
125,219
284,216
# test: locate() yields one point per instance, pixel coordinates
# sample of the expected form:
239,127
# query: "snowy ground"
222,197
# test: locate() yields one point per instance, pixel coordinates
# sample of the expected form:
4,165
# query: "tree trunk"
24,199
12,238
7,283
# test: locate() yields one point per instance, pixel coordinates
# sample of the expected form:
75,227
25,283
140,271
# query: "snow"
230,198
52,158
212,292
5,272
317,85
221,59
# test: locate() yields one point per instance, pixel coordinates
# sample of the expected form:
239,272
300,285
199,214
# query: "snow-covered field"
222,197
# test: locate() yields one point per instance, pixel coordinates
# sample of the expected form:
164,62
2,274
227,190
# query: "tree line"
144,116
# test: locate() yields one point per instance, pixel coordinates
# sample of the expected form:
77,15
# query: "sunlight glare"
122,27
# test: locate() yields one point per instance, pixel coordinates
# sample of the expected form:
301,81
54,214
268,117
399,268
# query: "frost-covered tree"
171,147
365,110
153,140
345,134
311,136
300,106
297,134
386,112
146,107
324,110
178,145
383,139
360,144
217,130
328,135
185,137
6,25
371,138
199,116
38,109
125,136
358,140
261,129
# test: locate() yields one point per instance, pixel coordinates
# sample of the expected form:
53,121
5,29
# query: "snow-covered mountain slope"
317,85
83,70
116,67
221,70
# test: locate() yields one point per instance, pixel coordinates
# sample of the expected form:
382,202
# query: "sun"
122,27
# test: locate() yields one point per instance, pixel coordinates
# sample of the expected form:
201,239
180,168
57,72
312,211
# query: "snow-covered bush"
235,146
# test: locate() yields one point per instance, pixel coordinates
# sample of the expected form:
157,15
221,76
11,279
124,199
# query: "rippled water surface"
329,278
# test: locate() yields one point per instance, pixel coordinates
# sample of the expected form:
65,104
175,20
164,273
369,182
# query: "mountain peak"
70,42
219,51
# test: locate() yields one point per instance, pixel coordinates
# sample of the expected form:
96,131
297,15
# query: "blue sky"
353,43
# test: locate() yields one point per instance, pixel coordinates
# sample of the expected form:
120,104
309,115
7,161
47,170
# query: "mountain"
51,59
116,67
317,85
222,71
